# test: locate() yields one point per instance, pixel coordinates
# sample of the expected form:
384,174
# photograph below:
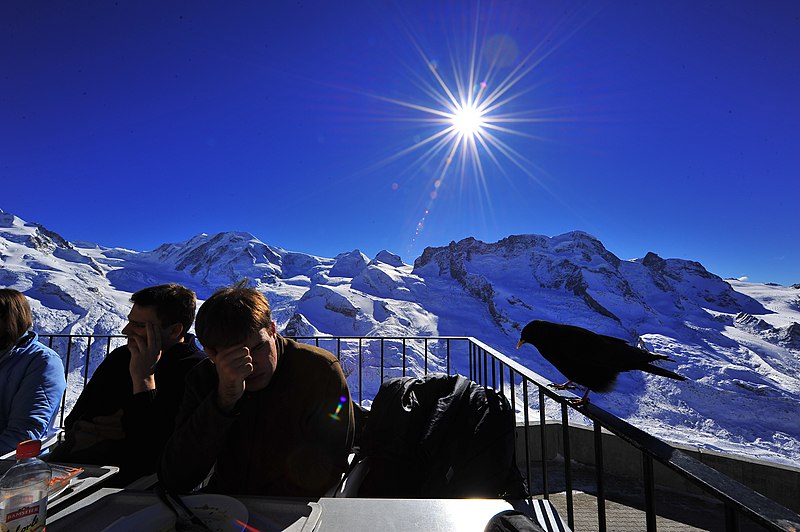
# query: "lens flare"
335,415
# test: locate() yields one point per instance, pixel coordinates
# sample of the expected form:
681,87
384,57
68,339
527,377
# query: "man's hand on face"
234,365
145,352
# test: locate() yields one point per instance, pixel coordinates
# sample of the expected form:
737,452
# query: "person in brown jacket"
269,415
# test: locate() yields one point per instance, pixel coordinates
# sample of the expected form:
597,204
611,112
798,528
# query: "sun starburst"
470,111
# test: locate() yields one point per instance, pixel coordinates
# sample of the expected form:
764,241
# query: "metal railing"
737,499
379,358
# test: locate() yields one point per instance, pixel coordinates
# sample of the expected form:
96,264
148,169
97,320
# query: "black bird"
590,359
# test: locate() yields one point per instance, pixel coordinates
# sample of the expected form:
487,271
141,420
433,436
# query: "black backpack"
439,436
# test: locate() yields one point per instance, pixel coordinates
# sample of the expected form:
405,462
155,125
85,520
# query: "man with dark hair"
270,415
32,375
127,410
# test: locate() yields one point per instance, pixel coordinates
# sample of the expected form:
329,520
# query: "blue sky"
669,127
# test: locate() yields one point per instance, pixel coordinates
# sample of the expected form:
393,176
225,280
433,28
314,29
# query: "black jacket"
147,418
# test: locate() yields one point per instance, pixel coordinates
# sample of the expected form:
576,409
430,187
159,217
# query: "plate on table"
61,478
219,512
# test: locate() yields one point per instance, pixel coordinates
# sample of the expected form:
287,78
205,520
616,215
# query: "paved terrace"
679,505
676,511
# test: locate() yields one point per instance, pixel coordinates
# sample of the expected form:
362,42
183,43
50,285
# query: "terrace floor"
676,511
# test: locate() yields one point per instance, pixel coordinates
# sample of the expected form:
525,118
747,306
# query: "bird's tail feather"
657,370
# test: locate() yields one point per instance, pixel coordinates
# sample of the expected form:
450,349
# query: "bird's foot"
579,402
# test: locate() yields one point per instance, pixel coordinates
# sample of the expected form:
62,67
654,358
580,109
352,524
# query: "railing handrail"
80,335
733,494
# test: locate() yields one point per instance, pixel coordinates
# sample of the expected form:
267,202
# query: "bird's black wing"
612,340
622,356
577,353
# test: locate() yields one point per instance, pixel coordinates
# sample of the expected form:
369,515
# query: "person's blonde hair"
15,316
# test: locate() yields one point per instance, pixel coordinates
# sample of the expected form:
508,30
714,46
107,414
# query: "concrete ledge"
777,482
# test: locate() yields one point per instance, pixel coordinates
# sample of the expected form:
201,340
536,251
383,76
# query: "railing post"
68,354
404,357
66,375
475,364
649,492
88,355
448,356
526,405
425,346
502,384
85,361
471,355
543,444
512,384
477,358
731,519
599,475
360,358
485,368
382,343
567,466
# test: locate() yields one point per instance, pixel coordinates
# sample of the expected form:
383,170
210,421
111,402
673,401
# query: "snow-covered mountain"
738,343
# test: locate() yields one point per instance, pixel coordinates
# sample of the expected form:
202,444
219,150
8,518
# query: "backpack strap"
442,416
440,430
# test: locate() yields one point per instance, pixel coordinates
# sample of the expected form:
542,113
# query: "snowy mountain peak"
389,258
298,325
349,264
8,220
218,260
31,234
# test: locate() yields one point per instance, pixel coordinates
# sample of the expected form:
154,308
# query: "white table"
107,505
403,515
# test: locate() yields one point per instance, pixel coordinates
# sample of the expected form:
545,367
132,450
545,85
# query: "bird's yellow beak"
520,343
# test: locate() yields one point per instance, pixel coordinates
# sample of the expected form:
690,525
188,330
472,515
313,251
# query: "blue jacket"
32,377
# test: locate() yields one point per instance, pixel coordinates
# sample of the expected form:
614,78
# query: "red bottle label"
25,519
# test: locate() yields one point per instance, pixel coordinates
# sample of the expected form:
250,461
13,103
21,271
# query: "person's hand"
108,427
86,433
145,352
234,365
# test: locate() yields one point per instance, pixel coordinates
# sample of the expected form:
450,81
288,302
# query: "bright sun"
467,120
